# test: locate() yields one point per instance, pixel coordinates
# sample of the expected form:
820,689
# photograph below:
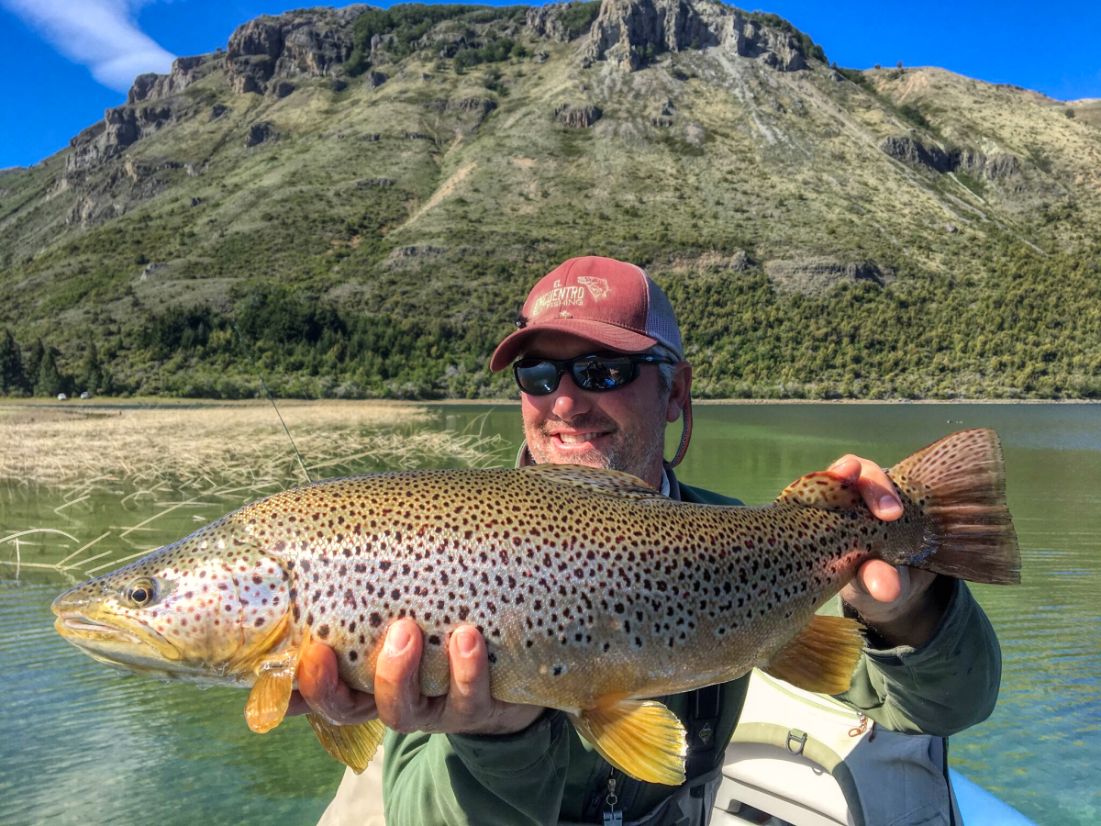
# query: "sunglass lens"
603,373
537,378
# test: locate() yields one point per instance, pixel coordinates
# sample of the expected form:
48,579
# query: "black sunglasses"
594,373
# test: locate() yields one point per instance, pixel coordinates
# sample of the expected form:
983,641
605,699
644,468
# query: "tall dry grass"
199,458
214,445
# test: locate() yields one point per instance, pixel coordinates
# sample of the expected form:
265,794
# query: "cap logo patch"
597,287
558,296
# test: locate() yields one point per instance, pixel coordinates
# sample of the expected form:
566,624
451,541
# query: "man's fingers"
469,695
847,468
321,688
882,582
873,483
397,679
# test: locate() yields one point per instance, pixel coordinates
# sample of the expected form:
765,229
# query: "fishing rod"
286,429
275,407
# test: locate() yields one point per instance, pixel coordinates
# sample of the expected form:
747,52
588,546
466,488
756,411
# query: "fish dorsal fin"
354,745
640,737
821,490
271,693
596,480
821,657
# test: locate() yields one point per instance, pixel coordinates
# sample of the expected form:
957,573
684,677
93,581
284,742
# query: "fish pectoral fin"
270,695
821,657
353,745
820,490
640,737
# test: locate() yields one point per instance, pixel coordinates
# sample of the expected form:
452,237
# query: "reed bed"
215,445
163,460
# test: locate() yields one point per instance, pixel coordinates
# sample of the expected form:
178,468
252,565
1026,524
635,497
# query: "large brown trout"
592,590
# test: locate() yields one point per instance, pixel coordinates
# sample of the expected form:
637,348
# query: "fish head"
202,609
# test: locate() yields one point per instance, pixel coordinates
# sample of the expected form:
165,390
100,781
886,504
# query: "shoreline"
111,402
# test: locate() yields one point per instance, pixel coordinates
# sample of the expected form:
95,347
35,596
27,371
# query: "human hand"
467,708
897,601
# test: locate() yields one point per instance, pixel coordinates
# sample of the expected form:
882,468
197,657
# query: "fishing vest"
794,752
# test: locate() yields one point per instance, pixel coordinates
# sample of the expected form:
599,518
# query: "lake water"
81,743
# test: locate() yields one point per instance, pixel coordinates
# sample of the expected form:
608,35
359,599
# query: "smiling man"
600,366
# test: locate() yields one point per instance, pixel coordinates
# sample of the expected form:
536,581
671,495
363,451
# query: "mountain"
354,202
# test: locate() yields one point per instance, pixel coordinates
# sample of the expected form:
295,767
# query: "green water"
81,743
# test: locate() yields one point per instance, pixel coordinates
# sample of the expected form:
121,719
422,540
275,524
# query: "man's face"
621,429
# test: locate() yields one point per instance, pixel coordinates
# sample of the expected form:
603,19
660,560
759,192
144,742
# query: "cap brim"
598,333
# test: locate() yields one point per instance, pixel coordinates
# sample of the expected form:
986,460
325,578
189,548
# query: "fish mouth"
78,627
114,642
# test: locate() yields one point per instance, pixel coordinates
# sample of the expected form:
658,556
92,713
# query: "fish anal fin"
821,490
353,745
642,738
821,657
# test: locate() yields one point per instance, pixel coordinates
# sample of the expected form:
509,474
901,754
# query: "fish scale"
591,589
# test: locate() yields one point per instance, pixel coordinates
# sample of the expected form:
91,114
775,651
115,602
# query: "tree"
12,377
34,361
48,381
90,373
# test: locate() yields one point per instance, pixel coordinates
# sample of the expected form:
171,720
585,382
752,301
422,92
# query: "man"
600,364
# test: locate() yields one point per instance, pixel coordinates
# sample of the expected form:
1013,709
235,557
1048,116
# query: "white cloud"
99,34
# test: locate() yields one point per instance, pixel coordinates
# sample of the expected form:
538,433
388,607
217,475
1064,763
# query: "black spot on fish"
323,631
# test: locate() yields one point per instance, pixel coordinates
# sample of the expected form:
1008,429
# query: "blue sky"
65,61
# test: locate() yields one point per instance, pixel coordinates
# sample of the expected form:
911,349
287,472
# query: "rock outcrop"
561,22
999,167
185,71
259,133
310,43
119,128
577,116
630,33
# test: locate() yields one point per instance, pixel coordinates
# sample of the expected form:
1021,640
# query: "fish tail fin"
353,745
640,737
957,485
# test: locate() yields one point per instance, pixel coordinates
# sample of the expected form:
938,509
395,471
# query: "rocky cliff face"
1000,168
311,43
271,55
630,33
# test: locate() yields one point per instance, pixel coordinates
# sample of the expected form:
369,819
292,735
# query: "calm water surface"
81,743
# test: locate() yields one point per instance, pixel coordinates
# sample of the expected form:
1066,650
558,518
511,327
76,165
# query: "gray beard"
635,456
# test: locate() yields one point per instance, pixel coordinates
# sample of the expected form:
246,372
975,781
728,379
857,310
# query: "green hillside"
353,203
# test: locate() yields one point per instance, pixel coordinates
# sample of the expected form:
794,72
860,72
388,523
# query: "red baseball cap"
611,303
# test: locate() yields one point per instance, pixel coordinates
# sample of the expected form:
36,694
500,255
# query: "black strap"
701,721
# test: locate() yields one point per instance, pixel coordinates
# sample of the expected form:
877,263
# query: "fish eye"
140,592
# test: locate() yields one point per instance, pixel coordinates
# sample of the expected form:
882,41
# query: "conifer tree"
12,378
34,361
90,373
49,381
